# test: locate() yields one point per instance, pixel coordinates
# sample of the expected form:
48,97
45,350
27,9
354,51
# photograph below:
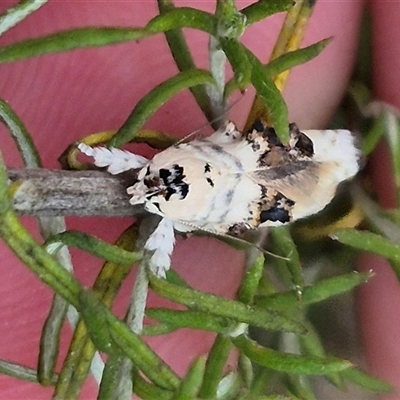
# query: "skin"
378,299
64,97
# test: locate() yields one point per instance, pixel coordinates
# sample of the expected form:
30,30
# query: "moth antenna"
116,160
258,247
220,117
237,239
191,134
161,242
269,253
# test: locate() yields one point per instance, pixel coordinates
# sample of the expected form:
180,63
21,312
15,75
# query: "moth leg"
115,160
161,242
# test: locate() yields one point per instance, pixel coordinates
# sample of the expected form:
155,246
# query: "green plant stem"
82,350
150,103
62,282
216,305
49,340
285,246
134,317
286,362
215,367
191,383
217,61
72,39
22,373
37,259
20,135
183,59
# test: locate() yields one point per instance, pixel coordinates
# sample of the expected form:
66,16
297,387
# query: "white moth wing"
312,183
340,149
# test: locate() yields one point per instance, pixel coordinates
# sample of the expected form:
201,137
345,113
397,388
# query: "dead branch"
42,192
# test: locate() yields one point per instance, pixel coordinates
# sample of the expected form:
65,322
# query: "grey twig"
42,192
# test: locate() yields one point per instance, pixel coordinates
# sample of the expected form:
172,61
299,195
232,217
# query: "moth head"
171,182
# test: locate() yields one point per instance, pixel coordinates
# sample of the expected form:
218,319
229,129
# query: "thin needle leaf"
215,367
237,57
150,103
314,294
368,241
188,319
251,281
146,391
291,363
263,9
270,96
95,321
133,347
93,245
82,350
294,58
72,39
183,17
21,372
285,62
191,383
107,388
181,53
284,245
21,136
219,306
366,381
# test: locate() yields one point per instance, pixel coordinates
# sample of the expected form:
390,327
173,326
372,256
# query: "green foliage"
93,245
219,306
286,362
149,104
278,304
73,39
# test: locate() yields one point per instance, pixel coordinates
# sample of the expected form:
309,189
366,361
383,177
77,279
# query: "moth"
234,181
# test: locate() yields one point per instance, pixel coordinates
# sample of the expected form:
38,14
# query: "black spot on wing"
275,214
169,191
210,182
177,171
165,175
184,190
268,133
207,168
304,144
168,182
172,175
258,126
277,209
264,137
